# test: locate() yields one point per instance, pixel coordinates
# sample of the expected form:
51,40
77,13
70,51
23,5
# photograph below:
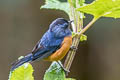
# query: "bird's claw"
66,71
73,48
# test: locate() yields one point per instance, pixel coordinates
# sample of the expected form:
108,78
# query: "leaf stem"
88,26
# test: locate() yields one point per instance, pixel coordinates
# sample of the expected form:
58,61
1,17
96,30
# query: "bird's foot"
66,71
73,48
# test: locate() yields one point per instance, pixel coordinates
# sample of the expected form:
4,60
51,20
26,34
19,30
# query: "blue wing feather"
50,42
46,46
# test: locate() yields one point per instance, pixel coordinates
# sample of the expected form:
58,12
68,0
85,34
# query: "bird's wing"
35,47
46,46
42,40
40,51
43,52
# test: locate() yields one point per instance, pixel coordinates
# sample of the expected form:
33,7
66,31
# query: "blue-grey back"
49,40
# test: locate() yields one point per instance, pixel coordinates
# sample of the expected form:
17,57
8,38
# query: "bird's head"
60,27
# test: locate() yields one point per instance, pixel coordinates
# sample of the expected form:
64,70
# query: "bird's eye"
65,25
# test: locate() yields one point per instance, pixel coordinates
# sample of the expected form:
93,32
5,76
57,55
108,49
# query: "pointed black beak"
70,21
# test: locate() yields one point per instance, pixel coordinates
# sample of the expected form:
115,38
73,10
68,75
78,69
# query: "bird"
53,45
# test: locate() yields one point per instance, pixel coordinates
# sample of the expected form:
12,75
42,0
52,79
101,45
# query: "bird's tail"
18,63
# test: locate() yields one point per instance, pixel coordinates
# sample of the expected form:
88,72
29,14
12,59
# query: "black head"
59,21
60,27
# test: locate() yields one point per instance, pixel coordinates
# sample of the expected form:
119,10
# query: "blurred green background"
22,24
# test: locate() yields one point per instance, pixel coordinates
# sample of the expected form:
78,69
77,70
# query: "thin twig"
88,26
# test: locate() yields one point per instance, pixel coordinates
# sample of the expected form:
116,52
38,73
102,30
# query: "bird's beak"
71,21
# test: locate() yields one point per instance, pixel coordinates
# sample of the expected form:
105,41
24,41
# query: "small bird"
53,46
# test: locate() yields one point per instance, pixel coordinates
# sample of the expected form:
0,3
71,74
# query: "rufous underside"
60,53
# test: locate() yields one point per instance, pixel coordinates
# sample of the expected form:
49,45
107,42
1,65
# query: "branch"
78,24
76,41
88,26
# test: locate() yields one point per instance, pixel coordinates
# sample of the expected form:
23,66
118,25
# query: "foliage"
83,37
57,5
69,79
23,72
55,72
73,3
105,8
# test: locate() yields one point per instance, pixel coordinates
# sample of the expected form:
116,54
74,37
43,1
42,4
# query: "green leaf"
83,38
72,3
73,34
81,2
23,72
55,72
102,8
56,4
70,79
